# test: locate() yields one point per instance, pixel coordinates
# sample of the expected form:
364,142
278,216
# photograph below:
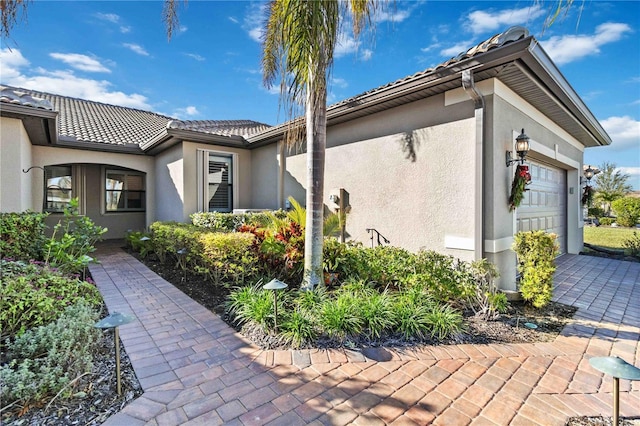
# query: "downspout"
469,86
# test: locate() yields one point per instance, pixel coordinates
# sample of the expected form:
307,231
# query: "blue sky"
117,52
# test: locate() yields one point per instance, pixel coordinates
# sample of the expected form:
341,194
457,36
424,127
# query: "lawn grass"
607,237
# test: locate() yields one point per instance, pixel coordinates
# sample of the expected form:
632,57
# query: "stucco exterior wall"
264,177
424,202
508,114
169,171
89,183
242,176
15,156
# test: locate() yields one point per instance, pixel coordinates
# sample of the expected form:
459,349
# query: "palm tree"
611,184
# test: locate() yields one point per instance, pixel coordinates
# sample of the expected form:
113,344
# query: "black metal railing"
376,236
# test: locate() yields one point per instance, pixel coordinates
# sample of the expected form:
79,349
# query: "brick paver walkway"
195,370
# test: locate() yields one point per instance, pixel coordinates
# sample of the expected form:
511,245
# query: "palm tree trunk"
316,116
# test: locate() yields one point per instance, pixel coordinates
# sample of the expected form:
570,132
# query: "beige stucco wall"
90,187
264,177
15,156
177,191
427,203
507,114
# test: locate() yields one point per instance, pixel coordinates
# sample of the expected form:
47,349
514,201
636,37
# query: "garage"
544,205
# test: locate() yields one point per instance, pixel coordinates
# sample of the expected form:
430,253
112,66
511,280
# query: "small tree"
536,252
611,184
627,210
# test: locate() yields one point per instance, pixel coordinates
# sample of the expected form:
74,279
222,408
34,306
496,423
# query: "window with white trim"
219,183
58,188
124,191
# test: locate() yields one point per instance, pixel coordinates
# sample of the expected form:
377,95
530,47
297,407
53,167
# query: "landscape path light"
275,285
619,369
115,320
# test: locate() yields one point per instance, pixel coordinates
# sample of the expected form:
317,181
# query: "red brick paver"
194,369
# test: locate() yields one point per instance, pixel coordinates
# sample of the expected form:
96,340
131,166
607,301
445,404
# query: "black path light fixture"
275,285
522,148
619,369
114,320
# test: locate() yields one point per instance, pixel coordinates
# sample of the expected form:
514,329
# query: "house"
422,158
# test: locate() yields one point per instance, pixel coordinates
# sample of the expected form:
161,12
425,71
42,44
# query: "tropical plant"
610,184
488,303
627,211
536,252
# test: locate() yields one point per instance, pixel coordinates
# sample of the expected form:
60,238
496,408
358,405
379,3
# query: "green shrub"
298,328
227,222
536,252
627,211
32,295
377,314
632,244
606,221
339,317
488,303
595,212
228,256
46,359
73,239
22,235
252,304
443,321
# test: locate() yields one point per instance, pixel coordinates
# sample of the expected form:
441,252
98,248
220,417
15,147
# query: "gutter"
468,84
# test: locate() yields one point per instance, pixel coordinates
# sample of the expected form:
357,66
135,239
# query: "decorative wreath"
521,179
587,195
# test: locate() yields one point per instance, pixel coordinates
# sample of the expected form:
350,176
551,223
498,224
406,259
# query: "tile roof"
510,35
88,121
242,128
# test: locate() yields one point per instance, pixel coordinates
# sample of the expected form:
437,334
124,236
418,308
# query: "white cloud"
12,60
339,82
457,48
395,16
345,45
114,19
233,19
254,20
65,83
189,111
624,132
80,62
633,171
183,29
366,54
568,48
136,48
195,56
481,21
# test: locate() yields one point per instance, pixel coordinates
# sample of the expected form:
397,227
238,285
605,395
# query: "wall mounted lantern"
522,148
590,172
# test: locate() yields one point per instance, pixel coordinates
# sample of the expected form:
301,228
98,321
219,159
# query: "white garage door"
545,204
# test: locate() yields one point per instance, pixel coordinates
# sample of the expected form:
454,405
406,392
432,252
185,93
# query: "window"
58,184
219,185
125,191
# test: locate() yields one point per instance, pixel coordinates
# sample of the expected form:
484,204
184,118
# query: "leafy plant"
443,321
627,210
633,244
377,313
488,303
22,235
339,317
536,252
34,295
607,221
298,328
73,239
251,304
45,359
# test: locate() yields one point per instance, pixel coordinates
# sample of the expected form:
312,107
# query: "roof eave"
170,137
543,67
40,124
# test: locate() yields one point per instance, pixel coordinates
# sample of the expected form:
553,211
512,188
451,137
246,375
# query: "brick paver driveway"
194,369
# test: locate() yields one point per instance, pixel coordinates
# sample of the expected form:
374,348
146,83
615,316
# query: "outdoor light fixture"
589,173
114,320
275,285
619,369
522,147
